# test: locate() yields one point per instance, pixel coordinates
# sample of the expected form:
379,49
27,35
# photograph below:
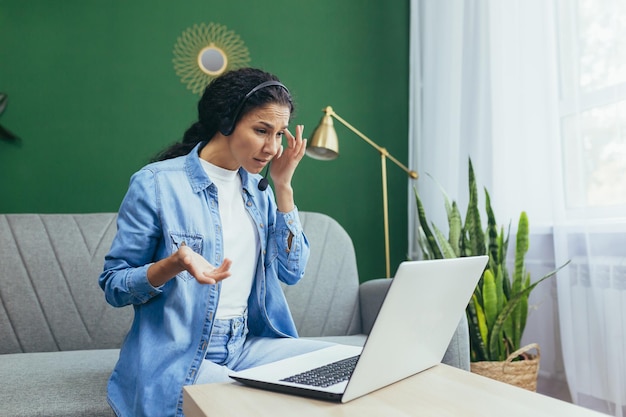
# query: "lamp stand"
384,154
383,167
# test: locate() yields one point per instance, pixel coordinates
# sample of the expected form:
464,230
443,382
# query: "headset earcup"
227,126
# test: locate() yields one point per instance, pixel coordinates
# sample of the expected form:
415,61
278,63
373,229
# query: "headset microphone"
264,182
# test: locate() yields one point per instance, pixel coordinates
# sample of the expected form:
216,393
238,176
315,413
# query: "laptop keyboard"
326,375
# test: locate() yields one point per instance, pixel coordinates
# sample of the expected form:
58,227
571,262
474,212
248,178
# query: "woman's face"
258,136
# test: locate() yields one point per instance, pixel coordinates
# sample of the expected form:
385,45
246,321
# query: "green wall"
93,94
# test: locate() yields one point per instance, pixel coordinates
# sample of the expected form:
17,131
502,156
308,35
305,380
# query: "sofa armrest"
371,296
458,353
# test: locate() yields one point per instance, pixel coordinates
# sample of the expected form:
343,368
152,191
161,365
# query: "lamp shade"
324,144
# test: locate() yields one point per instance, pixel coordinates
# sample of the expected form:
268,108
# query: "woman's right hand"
200,268
185,259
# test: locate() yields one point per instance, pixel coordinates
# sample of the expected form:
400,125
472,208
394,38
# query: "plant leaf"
503,244
473,224
521,248
423,243
492,230
432,243
490,298
477,328
521,324
496,331
456,227
446,249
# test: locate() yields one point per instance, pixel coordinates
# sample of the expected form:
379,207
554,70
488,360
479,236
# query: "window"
592,65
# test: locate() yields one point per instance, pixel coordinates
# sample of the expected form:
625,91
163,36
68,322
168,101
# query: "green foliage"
498,308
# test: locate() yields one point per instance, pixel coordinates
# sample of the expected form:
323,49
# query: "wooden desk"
439,391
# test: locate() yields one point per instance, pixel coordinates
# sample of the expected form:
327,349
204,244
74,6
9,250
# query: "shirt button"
249,203
261,225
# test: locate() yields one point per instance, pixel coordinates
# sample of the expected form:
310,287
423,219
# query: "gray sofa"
59,339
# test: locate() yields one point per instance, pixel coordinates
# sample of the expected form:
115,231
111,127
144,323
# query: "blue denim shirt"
167,203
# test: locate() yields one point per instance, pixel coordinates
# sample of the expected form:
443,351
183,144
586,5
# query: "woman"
202,246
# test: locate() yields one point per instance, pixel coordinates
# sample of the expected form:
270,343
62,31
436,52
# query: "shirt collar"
199,179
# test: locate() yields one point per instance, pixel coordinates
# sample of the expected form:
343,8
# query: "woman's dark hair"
219,102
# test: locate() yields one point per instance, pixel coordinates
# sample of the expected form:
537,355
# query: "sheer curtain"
499,81
590,221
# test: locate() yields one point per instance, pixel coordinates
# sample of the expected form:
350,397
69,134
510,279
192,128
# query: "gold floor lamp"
324,145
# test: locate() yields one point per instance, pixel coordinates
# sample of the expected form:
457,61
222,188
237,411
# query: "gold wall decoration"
205,51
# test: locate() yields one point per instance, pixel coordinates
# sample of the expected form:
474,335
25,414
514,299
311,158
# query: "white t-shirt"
241,241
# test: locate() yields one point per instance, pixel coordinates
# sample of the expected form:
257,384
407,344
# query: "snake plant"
498,308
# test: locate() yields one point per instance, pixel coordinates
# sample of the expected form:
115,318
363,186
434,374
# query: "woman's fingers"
201,269
295,143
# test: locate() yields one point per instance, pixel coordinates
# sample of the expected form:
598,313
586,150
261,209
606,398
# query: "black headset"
228,125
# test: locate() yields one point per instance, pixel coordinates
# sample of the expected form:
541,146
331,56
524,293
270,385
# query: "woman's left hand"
284,164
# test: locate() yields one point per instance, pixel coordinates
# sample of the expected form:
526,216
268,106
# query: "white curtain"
590,221
488,82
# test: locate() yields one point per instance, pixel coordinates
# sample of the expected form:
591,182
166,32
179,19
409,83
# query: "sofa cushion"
326,301
49,294
51,384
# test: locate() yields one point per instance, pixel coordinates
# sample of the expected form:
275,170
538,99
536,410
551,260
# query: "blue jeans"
230,348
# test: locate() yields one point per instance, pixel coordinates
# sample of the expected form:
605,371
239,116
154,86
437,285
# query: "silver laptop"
414,326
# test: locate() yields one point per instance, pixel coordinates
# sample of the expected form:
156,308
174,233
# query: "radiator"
598,314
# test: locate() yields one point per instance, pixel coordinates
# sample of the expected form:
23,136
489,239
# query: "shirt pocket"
193,241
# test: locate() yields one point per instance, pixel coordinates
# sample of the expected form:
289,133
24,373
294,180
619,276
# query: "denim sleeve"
124,279
293,246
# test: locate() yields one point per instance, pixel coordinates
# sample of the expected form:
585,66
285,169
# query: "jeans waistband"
235,326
